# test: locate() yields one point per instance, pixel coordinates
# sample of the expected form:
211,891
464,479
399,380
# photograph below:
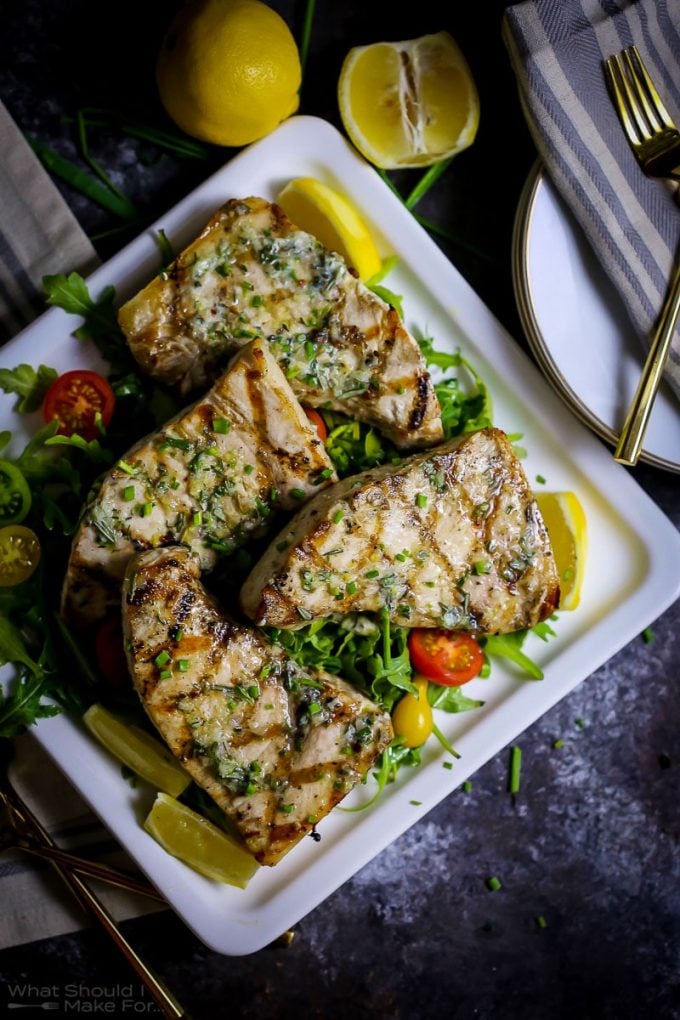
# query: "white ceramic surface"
633,571
579,328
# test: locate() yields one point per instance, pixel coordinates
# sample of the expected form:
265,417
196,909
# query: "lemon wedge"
138,750
200,844
565,520
408,104
333,220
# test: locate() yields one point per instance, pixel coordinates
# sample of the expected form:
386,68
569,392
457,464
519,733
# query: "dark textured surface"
591,842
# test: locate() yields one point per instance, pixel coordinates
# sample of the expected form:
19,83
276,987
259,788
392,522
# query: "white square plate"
633,571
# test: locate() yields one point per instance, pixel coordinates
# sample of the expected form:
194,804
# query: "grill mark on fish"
208,479
218,728
451,538
181,326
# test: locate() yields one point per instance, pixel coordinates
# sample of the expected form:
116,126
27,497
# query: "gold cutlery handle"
90,868
630,440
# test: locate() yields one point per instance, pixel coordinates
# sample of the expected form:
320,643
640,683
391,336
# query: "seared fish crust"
206,480
451,538
252,273
276,746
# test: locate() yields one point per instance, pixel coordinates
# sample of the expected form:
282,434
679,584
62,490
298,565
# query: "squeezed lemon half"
148,757
408,104
565,520
198,843
333,220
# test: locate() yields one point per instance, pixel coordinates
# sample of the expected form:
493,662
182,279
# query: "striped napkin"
557,48
39,235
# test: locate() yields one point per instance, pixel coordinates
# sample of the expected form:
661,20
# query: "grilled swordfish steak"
252,273
452,538
206,480
276,746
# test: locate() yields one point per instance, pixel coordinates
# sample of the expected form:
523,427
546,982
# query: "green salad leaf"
100,324
29,383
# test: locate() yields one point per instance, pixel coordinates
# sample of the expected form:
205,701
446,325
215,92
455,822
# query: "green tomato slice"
15,495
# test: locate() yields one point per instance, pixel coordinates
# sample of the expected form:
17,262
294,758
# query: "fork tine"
627,108
639,71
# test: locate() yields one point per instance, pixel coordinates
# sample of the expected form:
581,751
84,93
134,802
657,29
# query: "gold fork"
652,135
655,140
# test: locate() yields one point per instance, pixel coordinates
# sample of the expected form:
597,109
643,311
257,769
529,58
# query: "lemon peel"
228,71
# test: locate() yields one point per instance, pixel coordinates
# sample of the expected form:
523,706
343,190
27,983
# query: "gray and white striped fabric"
557,49
38,232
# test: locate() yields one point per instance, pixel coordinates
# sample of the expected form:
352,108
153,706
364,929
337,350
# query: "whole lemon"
228,71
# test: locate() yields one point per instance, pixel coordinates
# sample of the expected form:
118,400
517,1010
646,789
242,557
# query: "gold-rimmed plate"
577,326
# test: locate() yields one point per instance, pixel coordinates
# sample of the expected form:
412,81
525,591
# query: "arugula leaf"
442,359
100,323
509,646
29,384
353,446
13,647
450,699
24,706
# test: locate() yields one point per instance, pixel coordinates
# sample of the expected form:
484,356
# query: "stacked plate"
577,326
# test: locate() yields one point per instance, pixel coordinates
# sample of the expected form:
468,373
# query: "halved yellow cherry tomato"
19,554
412,717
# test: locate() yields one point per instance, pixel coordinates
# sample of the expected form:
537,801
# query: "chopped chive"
337,516
178,635
467,786
312,819
147,509
540,479
251,788
421,500
298,494
256,300
310,350
273,495
416,803
183,665
127,468
447,765
162,658
481,566
129,493
198,518
326,473
287,808
351,588
541,921
221,425
515,769
314,708
248,469
557,744
372,573
648,635
400,557
493,884
253,691
165,674
581,723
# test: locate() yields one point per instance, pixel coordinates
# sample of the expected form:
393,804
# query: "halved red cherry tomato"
318,421
75,399
445,656
110,652
15,495
19,554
